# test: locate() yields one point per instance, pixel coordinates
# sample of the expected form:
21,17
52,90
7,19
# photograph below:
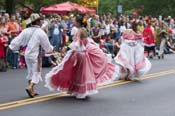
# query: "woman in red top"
149,39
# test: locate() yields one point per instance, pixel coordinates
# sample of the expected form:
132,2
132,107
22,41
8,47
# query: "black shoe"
162,56
36,94
158,57
29,93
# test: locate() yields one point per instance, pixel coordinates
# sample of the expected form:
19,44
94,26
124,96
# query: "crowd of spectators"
105,30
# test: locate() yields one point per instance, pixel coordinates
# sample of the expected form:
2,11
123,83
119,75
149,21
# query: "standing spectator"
13,29
140,27
149,38
3,42
56,33
25,14
163,36
74,29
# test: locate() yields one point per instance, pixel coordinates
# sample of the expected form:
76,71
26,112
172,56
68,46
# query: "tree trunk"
10,6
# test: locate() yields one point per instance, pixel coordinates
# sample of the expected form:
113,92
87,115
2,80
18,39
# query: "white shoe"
81,96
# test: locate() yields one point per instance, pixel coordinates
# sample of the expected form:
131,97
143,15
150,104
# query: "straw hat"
34,17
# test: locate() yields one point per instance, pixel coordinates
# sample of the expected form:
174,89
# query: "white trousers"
162,45
32,67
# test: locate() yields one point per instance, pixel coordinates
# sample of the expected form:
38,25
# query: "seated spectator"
109,44
96,36
54,59
170,48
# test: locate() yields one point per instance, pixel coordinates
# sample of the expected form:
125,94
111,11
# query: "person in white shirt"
74,29
34,38
107,28
122,27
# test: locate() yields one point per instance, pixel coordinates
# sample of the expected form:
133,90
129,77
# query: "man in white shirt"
34,38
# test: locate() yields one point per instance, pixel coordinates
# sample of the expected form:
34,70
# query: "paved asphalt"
150,97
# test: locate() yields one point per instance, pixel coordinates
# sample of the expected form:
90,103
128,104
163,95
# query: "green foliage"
150,7
106,6
147,7
153,7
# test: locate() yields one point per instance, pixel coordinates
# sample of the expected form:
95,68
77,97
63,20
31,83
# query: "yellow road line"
154,75
160,73
31,102
58,95
35,98
29,99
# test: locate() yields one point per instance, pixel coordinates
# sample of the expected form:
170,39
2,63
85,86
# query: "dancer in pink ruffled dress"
131,62
83,68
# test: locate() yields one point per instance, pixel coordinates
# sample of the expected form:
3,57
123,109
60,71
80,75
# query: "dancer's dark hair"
80,19
134,26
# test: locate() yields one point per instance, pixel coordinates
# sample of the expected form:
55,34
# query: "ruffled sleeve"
131,35
74,45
